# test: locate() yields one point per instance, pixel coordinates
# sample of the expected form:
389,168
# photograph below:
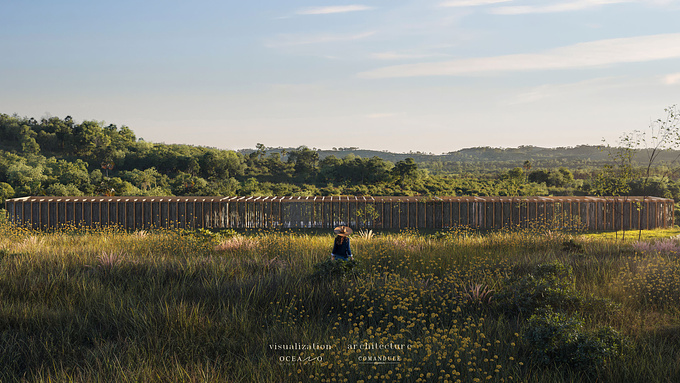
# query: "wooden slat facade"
135,213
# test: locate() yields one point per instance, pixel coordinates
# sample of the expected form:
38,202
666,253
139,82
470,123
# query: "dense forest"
54,156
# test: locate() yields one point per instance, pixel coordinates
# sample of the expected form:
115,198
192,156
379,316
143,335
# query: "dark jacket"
343,249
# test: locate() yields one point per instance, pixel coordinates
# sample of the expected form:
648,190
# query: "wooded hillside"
54,156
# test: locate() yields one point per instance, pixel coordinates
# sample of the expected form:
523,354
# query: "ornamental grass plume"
366,234
109,260
478,293
32,242
237,242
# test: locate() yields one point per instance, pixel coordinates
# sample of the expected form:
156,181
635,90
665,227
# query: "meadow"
268,306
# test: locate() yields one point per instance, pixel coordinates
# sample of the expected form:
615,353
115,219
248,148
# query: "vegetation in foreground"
268,306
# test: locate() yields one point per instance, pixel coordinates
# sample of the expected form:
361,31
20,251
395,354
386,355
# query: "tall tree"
305,162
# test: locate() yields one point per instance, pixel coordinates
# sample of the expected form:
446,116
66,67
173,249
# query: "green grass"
634,235
107,305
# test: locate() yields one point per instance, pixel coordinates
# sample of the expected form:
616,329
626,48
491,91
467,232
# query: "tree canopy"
54,156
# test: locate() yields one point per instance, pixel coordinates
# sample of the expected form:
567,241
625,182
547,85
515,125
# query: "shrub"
330,269
558,338
212,238
572,246
545,285
653,282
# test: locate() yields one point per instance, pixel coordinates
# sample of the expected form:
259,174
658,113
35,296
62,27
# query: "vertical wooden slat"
189,208
87,213
61,213
121,212
182,214
44,214
164,210
95,210
78,213
12,211
155,214
130,214
35,215
147,210
455,213
489,214
498,220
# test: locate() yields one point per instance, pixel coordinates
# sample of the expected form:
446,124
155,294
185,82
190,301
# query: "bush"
209,239
558,338
6,191
329,269
545,285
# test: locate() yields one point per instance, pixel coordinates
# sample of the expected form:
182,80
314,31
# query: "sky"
396,75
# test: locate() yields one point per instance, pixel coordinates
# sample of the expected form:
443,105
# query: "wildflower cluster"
408,317
442,340
652,281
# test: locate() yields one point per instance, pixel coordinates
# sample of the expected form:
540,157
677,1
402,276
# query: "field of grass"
268,306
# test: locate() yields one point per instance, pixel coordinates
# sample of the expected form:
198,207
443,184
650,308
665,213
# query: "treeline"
54,156
495,160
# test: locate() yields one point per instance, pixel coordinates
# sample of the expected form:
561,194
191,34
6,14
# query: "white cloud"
402,56
332,9
470,3
289,40
582,55
577,89
552,8
672,79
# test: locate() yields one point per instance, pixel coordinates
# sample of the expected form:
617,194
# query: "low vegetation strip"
269,306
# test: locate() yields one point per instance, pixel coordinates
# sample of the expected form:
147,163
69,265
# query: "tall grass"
108,305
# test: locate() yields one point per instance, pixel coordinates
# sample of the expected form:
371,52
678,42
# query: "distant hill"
573,157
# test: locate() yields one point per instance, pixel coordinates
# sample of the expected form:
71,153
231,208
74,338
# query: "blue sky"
431,76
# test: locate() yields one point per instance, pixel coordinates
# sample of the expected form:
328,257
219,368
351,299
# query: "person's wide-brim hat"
342,230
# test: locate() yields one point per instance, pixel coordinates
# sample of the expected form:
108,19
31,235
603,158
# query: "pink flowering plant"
665,246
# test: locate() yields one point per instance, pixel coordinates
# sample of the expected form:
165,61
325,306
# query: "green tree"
512,181
64,133
27,179
6,191
406,172
305,162
63,190
116,186
278,170
65,172
143,179
85,137
616,177
221,164
27,140
662,136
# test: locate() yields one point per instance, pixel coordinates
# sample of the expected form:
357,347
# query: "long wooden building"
588,213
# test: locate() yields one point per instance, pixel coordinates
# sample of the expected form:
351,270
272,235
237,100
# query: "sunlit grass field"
267,306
